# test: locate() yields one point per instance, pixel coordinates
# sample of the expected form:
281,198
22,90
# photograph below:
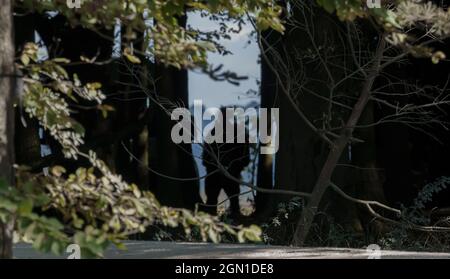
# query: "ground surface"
172,250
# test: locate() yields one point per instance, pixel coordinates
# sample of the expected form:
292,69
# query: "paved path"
172,250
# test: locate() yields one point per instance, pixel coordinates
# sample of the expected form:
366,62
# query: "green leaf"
77,127
39,241
3,185
42,199
385,15
253,233
58,171
25,59
105,109
56,248
437,56
213,235
120,245
25,207
7,204
240,236
328,5
61,60
208,46
133,59
61,71
94,85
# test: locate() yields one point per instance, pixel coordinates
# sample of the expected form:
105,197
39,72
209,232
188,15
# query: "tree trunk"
172,161
7,87
369,176
301,150
335,153
27,143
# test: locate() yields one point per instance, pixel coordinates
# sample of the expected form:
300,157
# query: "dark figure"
234,157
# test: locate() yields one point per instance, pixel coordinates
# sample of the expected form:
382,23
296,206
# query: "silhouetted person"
234,157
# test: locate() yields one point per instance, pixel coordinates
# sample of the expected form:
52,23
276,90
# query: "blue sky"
243,61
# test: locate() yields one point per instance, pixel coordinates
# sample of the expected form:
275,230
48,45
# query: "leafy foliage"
44,89
427,192
17,203
345,10
399,19
96,206
173,44
401,237
283,223
97,211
